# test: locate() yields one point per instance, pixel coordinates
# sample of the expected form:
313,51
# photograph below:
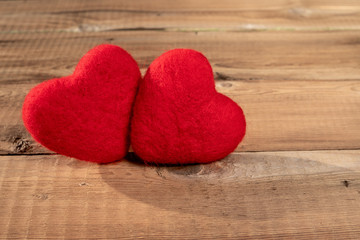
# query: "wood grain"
294,67
243,56
274,195
202,15
295,93
298,115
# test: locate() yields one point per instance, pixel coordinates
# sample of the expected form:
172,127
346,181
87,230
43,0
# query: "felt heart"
86,115
178,116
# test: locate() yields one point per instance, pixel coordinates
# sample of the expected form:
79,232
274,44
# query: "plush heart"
178,116
86,115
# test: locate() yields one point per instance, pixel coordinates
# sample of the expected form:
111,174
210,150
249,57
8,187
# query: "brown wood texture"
273,195
293,66
299,90
203,15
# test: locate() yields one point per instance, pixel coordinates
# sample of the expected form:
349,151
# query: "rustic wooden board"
296,94
298,115
204,15
284,55
293,65
274,195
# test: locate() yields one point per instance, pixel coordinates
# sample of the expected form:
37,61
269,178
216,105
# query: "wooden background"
293,66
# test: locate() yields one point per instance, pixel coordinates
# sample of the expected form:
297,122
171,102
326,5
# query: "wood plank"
273,195
295,93
296,115
241,56
228,15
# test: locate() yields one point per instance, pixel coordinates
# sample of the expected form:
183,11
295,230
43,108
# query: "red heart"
179,117
86,115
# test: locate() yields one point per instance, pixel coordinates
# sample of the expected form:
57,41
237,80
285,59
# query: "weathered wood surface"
272,195
294,115
203,15
300,91
284,55
294,67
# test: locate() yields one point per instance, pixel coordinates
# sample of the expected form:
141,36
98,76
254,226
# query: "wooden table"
294,67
